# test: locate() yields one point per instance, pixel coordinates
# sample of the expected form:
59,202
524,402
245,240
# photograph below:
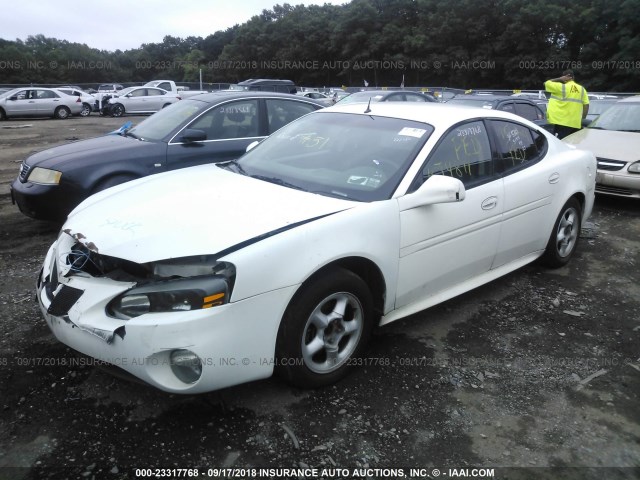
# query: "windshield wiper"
277,181
634,131
234,166
127,133
332,193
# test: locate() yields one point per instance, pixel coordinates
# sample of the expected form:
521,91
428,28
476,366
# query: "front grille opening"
24,172
81,259
610,165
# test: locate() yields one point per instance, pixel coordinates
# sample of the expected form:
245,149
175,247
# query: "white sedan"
140,100
350,217
38,102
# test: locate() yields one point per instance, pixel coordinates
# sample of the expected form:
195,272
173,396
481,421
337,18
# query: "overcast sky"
120,24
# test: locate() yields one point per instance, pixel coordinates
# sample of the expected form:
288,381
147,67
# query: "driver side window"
464,153
231,120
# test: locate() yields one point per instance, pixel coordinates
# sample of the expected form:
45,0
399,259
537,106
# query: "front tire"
326,326
62,113
564,236
117,110
3,116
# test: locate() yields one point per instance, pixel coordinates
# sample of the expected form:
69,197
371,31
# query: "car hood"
192,211
609,144
87,150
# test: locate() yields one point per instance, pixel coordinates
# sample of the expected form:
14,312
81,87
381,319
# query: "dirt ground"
536,375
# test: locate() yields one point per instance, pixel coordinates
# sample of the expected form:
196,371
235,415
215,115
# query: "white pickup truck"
170,86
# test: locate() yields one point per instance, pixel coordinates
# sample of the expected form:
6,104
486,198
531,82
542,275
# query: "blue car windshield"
160,125
351,156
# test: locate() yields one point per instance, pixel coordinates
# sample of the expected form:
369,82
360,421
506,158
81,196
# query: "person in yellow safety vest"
568,104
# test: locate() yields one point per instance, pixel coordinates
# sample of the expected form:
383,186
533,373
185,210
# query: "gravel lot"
537,370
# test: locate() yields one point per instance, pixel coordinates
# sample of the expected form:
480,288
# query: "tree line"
500,44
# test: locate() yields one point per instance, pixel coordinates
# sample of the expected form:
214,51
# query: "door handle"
554,177
489,203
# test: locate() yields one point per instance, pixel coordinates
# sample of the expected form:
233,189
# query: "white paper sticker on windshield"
412,132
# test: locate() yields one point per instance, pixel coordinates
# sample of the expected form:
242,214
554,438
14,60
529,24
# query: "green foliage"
502,44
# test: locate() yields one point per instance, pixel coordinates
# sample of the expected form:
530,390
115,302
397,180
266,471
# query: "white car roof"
439,115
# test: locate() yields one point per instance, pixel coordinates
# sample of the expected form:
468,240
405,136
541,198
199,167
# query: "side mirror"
14,98
252,145
437,189
191,135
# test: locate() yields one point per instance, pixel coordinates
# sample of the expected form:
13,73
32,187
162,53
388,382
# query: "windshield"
124,91
623,116
10,93
161,124
472,102
361,97
351,156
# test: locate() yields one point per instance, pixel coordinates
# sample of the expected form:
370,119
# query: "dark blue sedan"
207,128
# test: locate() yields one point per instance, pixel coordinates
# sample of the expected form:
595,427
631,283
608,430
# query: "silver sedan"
38,102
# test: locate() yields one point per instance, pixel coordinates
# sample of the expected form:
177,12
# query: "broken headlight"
175,295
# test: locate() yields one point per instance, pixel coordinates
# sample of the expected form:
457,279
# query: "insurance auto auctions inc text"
324,473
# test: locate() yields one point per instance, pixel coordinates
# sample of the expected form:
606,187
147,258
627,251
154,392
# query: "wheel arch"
363,267
111,175
581,198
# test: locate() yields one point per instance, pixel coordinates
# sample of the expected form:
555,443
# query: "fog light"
186,365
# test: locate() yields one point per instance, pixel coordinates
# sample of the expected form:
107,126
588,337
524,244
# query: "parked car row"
427,199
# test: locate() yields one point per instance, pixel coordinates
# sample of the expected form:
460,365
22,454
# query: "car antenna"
368,106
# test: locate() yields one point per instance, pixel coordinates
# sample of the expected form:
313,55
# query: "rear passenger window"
281,112
517,145
528,111
508,107
463,153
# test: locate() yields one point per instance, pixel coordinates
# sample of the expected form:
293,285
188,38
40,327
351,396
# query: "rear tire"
564,236
86,110
326,326
62,113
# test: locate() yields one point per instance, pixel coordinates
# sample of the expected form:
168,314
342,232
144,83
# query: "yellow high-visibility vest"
565,103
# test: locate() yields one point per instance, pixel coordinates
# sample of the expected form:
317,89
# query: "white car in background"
320,97
38,102
140,100
347,218
614,138
88,100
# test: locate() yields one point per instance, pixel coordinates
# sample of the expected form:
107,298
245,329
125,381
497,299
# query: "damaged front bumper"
231,344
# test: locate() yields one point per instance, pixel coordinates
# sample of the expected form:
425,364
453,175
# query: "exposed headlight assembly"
175,295
634,167
45,176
